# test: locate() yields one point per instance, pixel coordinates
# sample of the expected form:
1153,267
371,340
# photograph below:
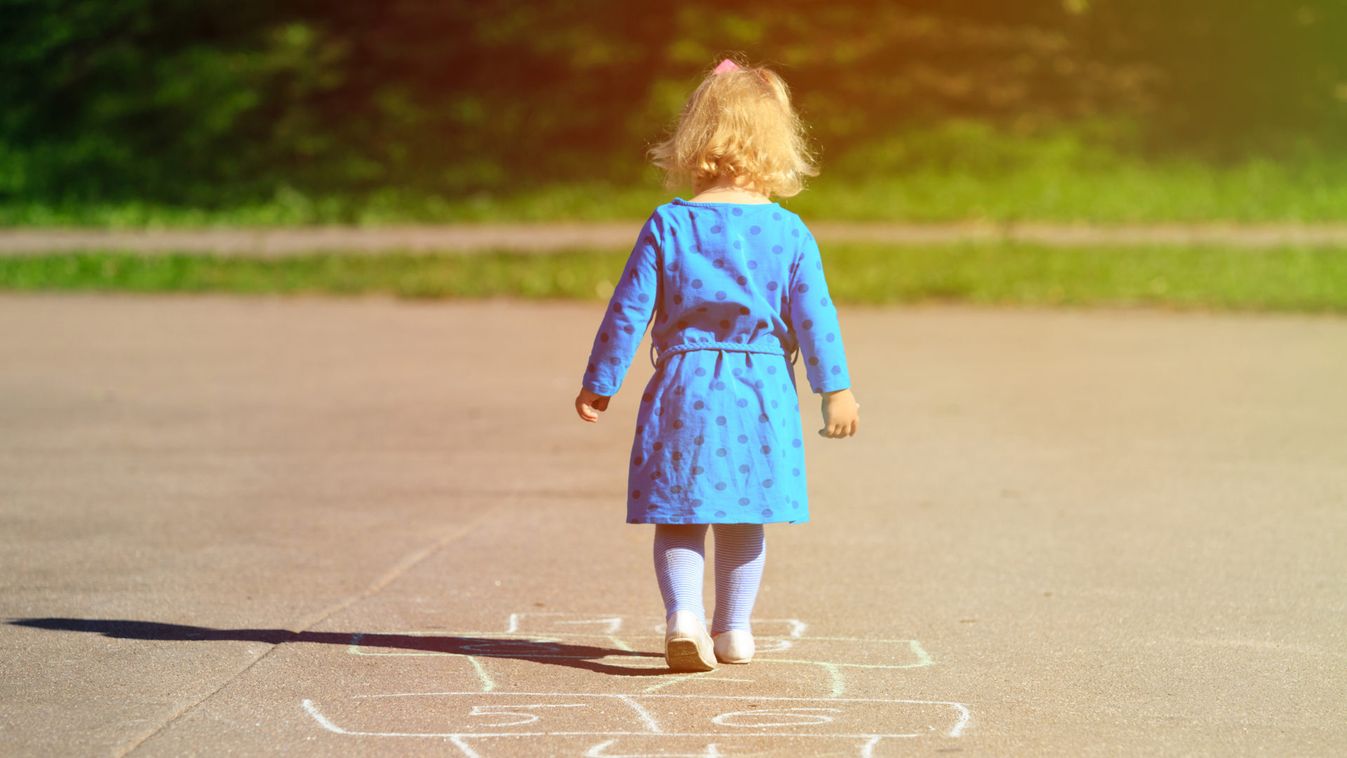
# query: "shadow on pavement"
586,657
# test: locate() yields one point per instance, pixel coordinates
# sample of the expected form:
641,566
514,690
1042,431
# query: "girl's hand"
588,404
841,414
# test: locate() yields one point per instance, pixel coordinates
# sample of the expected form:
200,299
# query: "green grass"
955,171
1282,279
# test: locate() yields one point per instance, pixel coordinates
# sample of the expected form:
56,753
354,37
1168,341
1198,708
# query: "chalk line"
670,682
487,683
459,743
844,665
601,751
614,623
642,712
701,677
835,674
722,719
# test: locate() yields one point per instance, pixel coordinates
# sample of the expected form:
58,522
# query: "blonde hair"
738,123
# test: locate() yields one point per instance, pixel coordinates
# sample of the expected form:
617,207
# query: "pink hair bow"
725,66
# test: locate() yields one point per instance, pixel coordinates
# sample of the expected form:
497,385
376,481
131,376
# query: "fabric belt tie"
740,346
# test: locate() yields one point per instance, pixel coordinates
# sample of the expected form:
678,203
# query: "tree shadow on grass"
587,657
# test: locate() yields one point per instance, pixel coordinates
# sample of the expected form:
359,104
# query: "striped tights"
680,560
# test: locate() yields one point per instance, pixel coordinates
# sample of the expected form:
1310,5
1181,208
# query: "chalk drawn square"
630,704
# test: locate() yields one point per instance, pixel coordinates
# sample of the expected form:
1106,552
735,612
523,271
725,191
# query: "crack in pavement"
383,580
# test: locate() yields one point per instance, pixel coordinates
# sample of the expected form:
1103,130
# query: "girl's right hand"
841,414
589,404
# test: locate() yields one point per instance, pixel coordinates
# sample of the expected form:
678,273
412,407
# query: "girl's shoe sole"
683,655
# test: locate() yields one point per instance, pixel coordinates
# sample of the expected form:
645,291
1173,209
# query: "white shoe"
734,646
687,646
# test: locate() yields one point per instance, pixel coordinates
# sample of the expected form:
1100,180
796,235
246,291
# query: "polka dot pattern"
719,438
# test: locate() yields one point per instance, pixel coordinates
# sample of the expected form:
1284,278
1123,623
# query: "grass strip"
1204,277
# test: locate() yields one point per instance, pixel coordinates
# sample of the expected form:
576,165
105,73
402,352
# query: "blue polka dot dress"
736,294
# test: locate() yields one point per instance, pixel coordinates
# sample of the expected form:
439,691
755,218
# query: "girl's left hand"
841,414
589,404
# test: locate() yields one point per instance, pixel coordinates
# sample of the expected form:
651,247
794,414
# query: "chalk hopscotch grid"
608,628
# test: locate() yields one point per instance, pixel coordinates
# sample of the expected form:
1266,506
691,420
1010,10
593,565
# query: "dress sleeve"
814,320
629,312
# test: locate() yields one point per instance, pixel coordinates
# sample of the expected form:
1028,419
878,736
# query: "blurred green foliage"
956,170
412,103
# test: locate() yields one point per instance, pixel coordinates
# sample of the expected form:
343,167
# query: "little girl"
734,285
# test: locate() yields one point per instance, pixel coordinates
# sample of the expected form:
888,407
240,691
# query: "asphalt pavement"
248,526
